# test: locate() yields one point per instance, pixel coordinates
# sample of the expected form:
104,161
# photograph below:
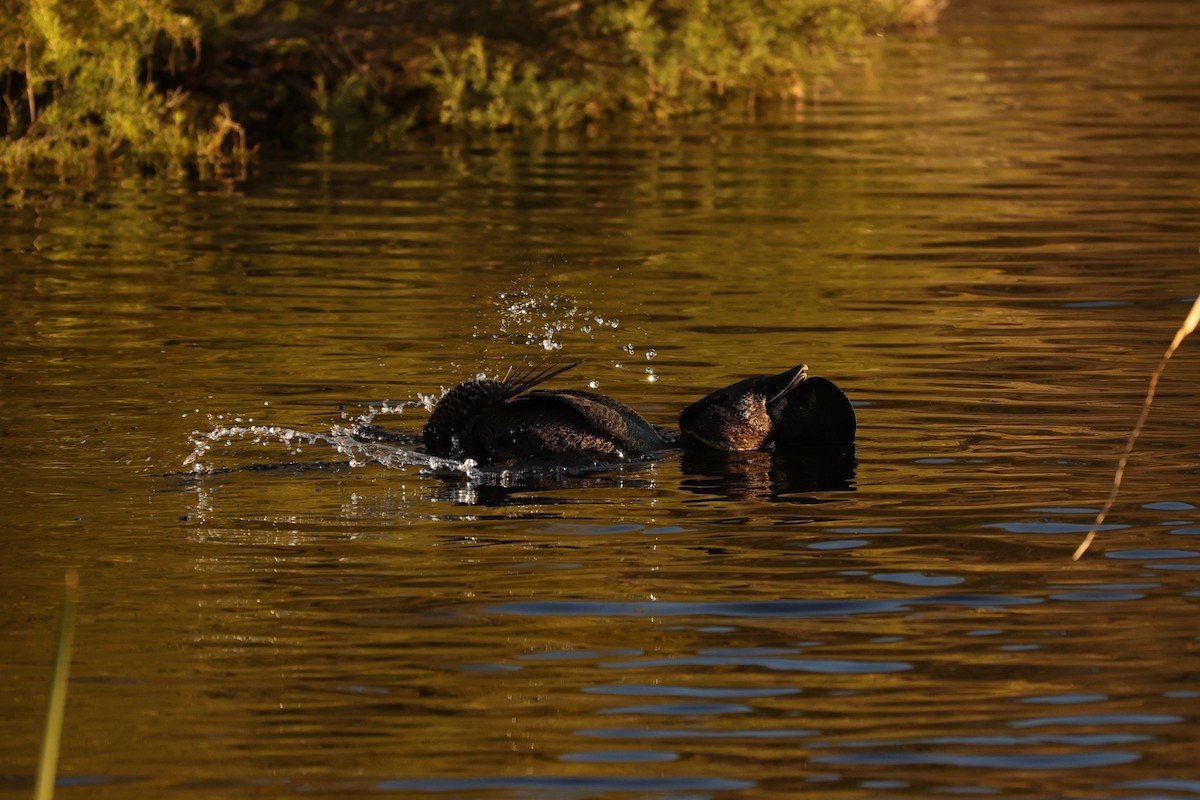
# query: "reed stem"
56,707
1189,325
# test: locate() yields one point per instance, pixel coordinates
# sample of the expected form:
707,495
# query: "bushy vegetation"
162,82
81,85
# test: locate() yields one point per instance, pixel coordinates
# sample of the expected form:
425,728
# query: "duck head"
784,410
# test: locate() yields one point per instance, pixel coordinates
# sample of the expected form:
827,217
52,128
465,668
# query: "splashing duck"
509,420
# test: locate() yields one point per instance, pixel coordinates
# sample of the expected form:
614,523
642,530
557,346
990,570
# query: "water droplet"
586,329
614,323
617,366
650,376
628,348
593,384
651,353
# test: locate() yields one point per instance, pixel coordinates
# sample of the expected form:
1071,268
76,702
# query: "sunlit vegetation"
83,84
157,83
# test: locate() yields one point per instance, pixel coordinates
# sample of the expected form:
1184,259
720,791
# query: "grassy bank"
159,84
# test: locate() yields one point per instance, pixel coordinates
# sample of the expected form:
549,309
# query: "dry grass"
1189,325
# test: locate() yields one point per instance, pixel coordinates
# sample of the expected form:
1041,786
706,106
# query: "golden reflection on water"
986,238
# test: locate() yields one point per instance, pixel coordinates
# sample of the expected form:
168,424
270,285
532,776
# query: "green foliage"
482,90
86,94
165,83
681,60
352,113
656,58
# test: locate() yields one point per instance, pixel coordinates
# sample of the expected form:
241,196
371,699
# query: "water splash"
387,407
354,442
530,317
549,322
362,452
541,318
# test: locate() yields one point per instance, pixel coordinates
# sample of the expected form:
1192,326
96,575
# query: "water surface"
986,237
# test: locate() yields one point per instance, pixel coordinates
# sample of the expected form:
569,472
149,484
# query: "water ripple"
824,666
1018,761
562,786
796,609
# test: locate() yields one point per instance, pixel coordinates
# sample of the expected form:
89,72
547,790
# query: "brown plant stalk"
1189,325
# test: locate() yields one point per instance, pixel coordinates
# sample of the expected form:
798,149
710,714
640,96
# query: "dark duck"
510,420
780,411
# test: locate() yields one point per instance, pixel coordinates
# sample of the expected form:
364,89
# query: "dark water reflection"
780,476
987,238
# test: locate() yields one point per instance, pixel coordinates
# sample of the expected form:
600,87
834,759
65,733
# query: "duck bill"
785,382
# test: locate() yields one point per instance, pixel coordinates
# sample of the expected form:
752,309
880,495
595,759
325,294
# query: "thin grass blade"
57,704
1189,325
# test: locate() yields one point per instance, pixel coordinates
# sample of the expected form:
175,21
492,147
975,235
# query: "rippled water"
987,237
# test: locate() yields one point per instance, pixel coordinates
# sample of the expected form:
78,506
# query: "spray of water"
546,320
351,441
539,319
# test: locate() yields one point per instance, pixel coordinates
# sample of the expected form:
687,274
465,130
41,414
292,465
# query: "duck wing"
614,420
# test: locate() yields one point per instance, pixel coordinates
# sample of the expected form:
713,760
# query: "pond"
987,237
